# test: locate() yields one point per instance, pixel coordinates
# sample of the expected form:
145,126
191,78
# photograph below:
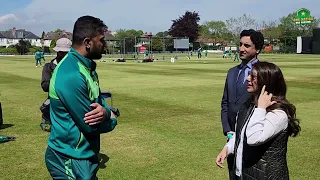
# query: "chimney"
14,32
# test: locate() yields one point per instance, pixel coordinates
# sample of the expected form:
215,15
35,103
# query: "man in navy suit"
235,90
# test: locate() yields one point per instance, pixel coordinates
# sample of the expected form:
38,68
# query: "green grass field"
170,118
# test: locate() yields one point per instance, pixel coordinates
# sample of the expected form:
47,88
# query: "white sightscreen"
299,44
181,43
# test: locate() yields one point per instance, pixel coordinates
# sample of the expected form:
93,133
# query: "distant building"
211,41
13,36
47,39
109,35
145,39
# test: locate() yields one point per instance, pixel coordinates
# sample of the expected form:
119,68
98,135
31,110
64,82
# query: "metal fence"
131,46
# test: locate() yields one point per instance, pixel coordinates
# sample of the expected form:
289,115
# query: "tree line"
282,32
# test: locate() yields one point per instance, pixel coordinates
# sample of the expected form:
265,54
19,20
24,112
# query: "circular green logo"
303,13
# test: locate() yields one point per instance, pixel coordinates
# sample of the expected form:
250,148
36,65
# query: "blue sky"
9,6
147,15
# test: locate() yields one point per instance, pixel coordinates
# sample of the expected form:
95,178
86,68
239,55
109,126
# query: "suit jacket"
230,103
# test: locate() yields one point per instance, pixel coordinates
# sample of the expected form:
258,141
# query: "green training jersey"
74,86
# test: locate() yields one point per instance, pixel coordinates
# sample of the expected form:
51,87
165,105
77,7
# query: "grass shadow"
5,126
103,159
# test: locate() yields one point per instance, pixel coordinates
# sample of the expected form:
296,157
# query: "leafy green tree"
23,47
58,30
162,34
215,30
186,26
157,44
127,38
53,43
43,35
289,31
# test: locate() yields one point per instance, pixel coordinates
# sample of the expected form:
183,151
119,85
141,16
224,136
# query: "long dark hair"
270,75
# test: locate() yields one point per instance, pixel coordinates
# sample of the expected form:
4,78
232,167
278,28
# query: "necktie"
240,80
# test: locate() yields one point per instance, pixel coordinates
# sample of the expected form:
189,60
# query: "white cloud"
8,18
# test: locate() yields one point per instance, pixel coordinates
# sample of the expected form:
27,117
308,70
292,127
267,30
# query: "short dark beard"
93,55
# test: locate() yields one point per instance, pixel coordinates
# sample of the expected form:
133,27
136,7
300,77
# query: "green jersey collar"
85,61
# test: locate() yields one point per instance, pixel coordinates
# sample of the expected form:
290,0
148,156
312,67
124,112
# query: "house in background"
3,41
13,36
47,39
143,42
